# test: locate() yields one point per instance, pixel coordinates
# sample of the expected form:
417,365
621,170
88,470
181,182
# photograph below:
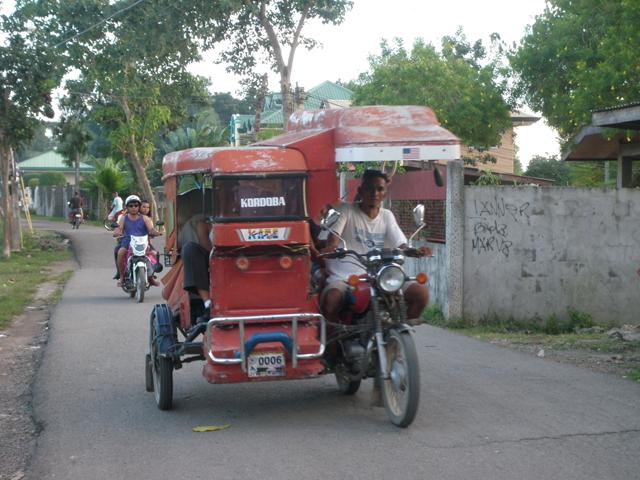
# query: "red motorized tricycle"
264,321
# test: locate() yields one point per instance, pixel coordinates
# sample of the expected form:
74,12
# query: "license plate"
266,365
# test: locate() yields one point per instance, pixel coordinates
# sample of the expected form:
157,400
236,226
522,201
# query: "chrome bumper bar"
294,318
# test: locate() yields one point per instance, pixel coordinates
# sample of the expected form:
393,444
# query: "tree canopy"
459,83
258,31
549,168
578,56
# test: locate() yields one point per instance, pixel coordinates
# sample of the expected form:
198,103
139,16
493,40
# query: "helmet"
131,199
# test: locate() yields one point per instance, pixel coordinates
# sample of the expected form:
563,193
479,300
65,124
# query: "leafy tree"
204,131
550,168
578,56
30,67
259,30
468,98
488,179
226,105
517,167
110,176
52,179
42,142
73,135
133,71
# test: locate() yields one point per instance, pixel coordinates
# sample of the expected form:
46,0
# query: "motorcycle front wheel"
401,392
141,276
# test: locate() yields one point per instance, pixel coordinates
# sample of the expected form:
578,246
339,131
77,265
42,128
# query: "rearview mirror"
330,218
418,215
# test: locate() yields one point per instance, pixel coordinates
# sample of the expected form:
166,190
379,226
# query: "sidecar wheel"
345,384
148,373
140,285
161,331
401,393
163,383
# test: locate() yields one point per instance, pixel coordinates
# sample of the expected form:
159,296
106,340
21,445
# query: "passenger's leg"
121,254
195,261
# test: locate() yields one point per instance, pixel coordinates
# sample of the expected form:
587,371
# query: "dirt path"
20,352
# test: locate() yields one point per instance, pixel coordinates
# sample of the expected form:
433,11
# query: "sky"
346,48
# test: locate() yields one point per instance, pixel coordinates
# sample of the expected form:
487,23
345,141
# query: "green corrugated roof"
326,91
51,161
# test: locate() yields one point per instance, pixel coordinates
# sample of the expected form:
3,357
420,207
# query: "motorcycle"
76,219
109,222
140,265
373,337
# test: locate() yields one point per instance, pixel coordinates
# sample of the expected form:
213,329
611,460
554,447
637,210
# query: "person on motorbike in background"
132,223
116,207
75,204
364,226
153,255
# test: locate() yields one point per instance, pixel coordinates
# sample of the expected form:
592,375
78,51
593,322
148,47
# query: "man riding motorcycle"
75,204
132,223
364,226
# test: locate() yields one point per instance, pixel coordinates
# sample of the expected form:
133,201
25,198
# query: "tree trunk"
16,228
260,106
141,174
77,172
6,203
139,165
287,101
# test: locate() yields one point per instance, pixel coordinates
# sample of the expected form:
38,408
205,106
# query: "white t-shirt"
116,205
362,234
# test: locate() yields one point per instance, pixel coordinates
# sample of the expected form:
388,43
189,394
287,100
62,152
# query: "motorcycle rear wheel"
401,392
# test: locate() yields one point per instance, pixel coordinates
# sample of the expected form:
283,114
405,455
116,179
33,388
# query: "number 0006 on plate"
266,365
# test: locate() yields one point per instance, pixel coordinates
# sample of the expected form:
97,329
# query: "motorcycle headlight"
390,278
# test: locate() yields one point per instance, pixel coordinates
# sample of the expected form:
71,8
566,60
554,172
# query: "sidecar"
264,322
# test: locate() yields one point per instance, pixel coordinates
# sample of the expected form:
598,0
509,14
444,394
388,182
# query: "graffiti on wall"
490,232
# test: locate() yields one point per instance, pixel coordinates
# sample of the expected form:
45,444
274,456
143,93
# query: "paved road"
486,412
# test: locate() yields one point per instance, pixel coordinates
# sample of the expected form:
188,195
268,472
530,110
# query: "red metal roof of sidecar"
221,160
375,133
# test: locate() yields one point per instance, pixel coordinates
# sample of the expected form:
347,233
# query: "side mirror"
418,215
330,219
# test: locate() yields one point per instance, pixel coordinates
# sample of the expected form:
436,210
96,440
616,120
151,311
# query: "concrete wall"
435,268
533,252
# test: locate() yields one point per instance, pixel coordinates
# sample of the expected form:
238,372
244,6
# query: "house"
52,161
613,136
326,95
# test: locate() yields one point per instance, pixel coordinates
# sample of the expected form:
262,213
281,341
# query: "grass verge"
25,271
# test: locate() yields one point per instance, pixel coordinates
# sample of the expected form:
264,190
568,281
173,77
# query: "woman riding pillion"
132,223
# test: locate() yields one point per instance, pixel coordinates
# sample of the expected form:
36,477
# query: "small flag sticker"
412,153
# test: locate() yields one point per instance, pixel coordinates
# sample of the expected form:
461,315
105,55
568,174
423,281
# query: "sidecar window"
265,198
194,198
